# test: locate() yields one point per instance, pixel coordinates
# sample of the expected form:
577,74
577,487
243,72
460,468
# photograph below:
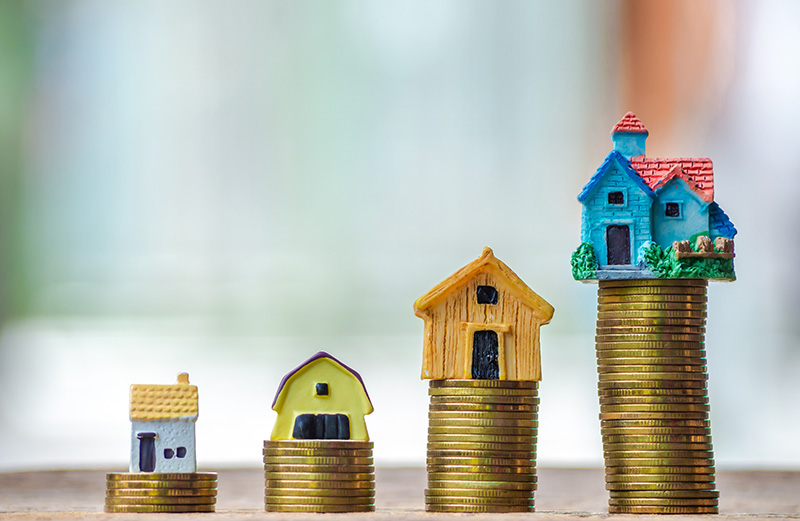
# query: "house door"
321,427
618,243
147,451
484,356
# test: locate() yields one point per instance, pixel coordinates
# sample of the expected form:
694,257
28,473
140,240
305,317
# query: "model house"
482,322
651,217
321,399
162,427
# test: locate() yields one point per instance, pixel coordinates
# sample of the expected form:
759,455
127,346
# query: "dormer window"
672,210
616,198
321,389
487,295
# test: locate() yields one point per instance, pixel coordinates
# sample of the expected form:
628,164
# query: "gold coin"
479,391
506,384
161,500
316,461
482,447
521,487
679,494
478,509
157,485
460,475
680,388
650,487
608,431
642,291
653,299
662,469
644,422
622,353
654,416
451,400
608,327
657,313
278,484
706,447
479,492
652,368
622,461
161,476
617,345
487,462
318,476
516,423
478,500
659,400
319,453
319,508
481,438
658,377
646,283
465,415
532,407
319,444
662,479
282,467
302,492
662,510
480,431
655,407
604,305
495,454
640,338
118,509
635,439
130,492
671,454
304,499
665,502
652,361
482,469
628,385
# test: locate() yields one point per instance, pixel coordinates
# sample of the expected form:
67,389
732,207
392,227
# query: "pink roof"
629,123
657,171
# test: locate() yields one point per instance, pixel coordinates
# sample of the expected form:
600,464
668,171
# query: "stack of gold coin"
653,396
482,446
319,476
163,492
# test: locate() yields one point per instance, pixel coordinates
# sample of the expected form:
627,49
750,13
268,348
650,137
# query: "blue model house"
651,217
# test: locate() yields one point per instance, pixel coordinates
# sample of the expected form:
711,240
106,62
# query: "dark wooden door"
618,243
321,427
484,356
147,451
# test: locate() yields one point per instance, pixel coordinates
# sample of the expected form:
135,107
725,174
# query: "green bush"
665,265
584,264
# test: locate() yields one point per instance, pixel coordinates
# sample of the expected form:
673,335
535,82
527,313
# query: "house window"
322,389
168,453
486,295
617,198
672,210
181,452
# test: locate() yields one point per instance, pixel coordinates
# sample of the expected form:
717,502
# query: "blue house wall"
692,220
615,175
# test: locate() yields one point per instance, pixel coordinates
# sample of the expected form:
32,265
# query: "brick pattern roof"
163,402
700,171
629,123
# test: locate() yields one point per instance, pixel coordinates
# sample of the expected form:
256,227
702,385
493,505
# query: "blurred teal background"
225,188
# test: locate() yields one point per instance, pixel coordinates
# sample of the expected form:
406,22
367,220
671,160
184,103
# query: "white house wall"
169,435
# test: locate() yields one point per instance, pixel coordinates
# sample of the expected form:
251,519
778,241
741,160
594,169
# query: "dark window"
321,427
673,210
147,451
322,389
487,295
616,198
168,453
181,452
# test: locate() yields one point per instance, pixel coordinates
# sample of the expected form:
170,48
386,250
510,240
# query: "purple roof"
321,354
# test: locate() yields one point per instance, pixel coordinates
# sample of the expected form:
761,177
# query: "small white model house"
162,427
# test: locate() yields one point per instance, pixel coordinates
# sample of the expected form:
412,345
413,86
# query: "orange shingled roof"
655,171
629,123
164,402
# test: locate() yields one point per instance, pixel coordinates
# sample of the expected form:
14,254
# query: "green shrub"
665,265
584,264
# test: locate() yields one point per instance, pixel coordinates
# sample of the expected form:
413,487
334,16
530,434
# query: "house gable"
680,213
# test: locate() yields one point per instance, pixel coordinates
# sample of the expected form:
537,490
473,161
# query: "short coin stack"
319,476
653,396
163,492
482,446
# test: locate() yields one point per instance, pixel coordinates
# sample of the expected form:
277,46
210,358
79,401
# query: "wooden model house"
482,322
162,427
321,399
636,208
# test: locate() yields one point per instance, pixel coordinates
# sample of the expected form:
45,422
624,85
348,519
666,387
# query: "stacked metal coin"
319,476
653,397
482,446
164,492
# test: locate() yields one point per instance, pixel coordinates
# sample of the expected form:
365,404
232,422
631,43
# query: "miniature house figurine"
162,427
482,322
321,399
651,218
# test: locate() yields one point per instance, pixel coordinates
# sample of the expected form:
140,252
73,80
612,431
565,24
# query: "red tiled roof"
629,123
657,171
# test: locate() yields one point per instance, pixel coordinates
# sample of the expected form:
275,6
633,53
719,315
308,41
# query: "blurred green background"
225,188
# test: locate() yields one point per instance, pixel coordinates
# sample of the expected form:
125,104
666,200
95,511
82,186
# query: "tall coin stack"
482,446
319,476
653,396
161,492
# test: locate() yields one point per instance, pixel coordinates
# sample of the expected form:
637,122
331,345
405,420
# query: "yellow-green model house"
321,399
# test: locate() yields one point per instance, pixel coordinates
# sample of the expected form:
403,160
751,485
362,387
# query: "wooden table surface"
563,494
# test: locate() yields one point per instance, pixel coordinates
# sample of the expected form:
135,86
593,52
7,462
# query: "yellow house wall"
346,396
447,347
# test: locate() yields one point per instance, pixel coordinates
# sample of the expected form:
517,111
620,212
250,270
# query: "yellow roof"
486,262
164,402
